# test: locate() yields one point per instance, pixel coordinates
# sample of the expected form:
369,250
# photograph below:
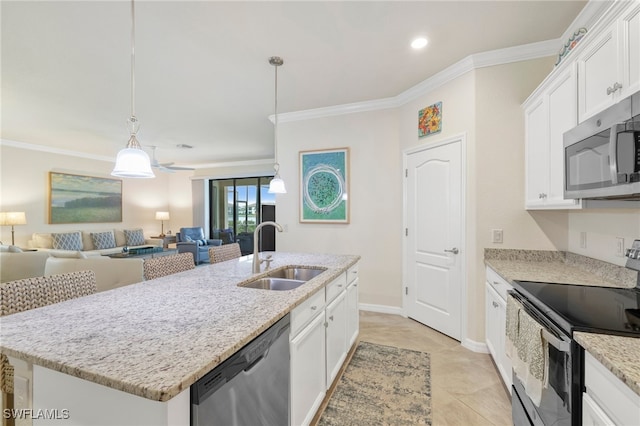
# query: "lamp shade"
133,163
13,218
276,186
162,215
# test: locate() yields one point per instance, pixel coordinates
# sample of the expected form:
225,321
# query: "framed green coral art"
324,186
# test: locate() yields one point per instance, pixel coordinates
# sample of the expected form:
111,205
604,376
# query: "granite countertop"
557,267
621,355
156,338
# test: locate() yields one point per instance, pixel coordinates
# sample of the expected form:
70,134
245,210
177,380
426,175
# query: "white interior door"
433,242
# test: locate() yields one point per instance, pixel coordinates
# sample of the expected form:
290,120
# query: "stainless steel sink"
284,279
271,283
299,273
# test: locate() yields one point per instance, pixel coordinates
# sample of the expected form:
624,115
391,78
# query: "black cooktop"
586,308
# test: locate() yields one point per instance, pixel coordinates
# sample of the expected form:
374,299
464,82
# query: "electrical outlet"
496,236
583,240
619,246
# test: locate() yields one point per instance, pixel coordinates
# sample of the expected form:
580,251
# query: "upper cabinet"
603,69
609,65
548,114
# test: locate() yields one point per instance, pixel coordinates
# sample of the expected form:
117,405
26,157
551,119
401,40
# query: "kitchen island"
154,339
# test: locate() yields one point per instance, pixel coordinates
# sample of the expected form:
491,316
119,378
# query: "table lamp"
13,218
162,216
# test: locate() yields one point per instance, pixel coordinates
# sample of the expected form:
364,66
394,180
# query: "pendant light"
132,161
276,186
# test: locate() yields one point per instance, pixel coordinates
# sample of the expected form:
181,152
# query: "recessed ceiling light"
419,43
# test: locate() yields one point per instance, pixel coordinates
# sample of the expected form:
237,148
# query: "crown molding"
52,150
470,63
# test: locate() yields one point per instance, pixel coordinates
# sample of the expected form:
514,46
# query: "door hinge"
406,232
406,172
406,291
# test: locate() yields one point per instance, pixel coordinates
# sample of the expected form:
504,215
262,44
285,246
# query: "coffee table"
143,254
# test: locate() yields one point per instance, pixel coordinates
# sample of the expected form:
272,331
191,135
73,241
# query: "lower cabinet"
321,337
607,400
336,317
308,359
495,323
353,318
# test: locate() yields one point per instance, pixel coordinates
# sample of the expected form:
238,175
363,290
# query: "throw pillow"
67,241
134,237
67,254
198,242
103,240
15,249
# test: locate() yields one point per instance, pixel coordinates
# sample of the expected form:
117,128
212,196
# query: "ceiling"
202,71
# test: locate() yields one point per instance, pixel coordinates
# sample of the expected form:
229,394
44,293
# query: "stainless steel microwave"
602,154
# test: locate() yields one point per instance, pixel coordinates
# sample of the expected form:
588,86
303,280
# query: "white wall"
375,197
603,227
24,186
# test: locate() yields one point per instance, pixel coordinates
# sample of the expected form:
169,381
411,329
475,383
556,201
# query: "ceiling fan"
164,167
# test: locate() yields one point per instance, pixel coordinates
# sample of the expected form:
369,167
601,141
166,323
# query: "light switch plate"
496,236
619,246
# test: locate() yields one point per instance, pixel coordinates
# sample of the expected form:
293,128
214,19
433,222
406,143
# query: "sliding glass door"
237,207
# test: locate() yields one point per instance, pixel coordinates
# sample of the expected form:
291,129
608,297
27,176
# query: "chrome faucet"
256,256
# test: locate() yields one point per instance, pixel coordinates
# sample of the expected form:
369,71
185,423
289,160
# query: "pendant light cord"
275,127
133,62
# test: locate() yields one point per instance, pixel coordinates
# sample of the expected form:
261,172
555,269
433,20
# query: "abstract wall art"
324,186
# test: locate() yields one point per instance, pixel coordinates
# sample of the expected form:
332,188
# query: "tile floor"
465,386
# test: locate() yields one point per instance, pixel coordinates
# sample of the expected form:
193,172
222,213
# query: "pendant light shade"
132,161
276,186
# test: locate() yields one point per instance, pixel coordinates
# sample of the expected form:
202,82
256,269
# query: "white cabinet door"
629,29
547,117
492,325
562,116
592,414
495,326
598,74
353,315
308,372
536,153
336,318
505,362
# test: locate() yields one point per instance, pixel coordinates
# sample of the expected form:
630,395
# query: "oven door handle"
561,345
551,336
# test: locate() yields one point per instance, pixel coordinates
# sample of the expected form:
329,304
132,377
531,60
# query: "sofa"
17,265
107,241
110,273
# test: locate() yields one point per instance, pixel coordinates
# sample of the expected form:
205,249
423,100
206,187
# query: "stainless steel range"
562,309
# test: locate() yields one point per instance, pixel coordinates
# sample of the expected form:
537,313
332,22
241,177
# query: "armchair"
192,240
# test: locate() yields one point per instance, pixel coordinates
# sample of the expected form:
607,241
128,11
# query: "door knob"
453,250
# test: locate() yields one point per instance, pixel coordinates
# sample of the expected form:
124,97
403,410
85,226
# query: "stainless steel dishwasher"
251,387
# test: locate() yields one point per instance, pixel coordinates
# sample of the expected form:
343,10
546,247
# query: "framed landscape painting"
324,186
84,199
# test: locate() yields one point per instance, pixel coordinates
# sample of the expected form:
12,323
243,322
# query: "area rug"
382,385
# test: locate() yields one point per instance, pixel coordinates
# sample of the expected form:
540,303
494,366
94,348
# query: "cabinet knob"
497,283
313,308
495,305
331,317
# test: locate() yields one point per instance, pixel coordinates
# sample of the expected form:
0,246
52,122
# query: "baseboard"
474,346
383,309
